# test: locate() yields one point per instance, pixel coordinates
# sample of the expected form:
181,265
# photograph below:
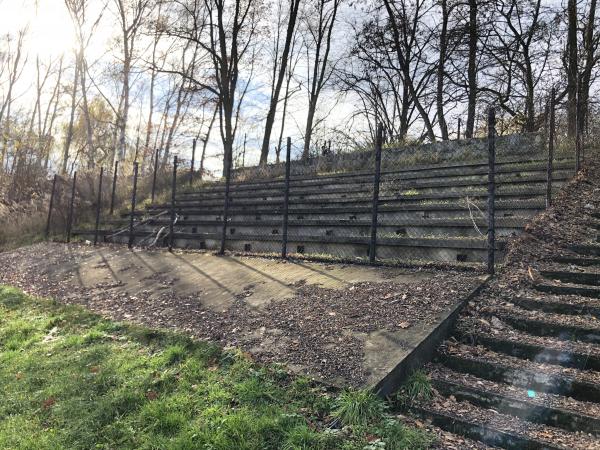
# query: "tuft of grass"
359,408
71,379
417,387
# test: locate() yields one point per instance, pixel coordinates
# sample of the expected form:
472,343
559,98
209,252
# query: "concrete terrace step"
592,279
355,200
506,399
508,222
424,172
500,206
577,261
521,345
473,427
531,375
366,187
557,307
396,242
568,290
549,325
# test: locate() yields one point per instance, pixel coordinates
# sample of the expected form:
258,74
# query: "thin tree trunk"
472,69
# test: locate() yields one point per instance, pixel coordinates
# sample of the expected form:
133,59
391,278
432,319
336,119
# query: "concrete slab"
219,280
342,324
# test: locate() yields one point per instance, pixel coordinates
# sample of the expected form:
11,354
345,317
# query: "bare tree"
319,19
280,64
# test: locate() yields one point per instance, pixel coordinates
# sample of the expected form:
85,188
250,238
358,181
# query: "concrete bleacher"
429,213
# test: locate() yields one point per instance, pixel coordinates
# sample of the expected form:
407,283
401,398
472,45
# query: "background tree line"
239,75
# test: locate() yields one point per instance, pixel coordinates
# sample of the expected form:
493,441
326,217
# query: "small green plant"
417,387
359,408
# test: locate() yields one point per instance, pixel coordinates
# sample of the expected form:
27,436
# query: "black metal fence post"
458,132
173,195
551,131
98,206
491,232
47,233
133,198
286,199
71,208
376,180
226,202
193,161
578,137
154,176
114,188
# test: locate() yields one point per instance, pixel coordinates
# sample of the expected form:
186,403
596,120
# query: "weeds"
360,408
417,387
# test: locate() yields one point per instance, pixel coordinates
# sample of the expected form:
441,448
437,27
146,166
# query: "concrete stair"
524,372
427,213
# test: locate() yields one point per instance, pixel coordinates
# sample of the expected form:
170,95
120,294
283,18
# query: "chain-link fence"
430,203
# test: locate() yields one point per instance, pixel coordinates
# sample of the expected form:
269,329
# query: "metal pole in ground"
551,131
458,132
154,176
47,233
376,179
226,202
193,161
286,199
71,207
98,206
491,232
114,188
173,195
132,215
577,133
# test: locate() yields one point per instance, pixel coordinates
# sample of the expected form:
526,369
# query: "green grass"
72,380
417,387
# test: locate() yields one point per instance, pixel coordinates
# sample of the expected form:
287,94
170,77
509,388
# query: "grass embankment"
70,379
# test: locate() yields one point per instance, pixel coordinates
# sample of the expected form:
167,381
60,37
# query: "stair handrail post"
286,199
114,188
50,206
551,139
154,175
375,205
133,204
173,213
228,161
98,206
193,161
491,231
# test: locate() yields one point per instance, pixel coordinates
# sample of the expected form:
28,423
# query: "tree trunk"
472,69
572,69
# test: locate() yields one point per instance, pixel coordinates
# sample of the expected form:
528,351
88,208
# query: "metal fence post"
114,188
173,194
98,206
551,131
578,141
491,232
133,194
193,161
286,199
154,176
376,179
226,202
458,132
71,207
47,233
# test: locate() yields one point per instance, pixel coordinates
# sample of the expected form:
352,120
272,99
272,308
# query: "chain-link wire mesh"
428,204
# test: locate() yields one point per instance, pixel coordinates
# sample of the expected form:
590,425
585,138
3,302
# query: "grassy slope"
70,379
